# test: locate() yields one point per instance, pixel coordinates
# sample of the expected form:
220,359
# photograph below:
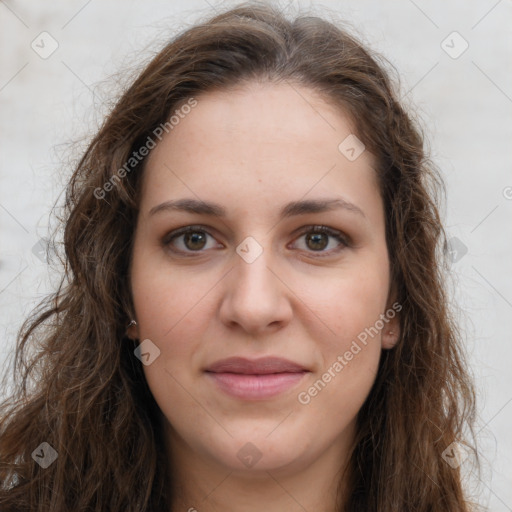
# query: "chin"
254,453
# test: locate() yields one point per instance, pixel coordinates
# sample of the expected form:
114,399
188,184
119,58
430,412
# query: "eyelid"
169,237
342,238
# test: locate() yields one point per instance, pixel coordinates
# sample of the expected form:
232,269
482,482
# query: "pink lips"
255,379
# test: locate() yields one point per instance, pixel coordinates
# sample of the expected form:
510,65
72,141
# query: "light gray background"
465,104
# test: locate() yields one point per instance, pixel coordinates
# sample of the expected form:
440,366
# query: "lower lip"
255,387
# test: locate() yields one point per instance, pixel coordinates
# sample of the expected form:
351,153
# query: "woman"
253,313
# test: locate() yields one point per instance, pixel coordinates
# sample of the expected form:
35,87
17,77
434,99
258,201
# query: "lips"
262,366
256,379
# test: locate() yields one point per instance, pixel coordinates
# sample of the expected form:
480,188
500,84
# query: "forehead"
283,115
270,141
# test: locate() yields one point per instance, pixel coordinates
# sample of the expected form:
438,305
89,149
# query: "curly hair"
91,402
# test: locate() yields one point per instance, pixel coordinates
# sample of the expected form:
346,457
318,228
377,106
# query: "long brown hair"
91,402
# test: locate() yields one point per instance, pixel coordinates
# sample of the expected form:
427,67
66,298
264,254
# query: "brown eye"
194,240
189,239
317,238
317,241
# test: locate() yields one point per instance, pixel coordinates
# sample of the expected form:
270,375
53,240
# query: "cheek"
350,359
351,353
353,301
171,308
169,301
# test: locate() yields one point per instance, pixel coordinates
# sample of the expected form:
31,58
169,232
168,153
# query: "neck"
203,485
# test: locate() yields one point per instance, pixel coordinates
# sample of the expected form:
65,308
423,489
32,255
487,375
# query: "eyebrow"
289,210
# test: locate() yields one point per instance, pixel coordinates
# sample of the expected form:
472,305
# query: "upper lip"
261,366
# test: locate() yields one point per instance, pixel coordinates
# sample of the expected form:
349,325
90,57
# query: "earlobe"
132,330
391,333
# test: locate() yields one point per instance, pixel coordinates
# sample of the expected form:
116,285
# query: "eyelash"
170,237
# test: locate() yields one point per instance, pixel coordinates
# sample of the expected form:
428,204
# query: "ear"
391,331
132,330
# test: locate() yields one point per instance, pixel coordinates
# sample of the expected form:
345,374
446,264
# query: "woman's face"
253,280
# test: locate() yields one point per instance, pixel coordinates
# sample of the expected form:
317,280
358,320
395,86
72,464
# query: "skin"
253,149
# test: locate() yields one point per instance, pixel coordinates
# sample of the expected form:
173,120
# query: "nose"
256,297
